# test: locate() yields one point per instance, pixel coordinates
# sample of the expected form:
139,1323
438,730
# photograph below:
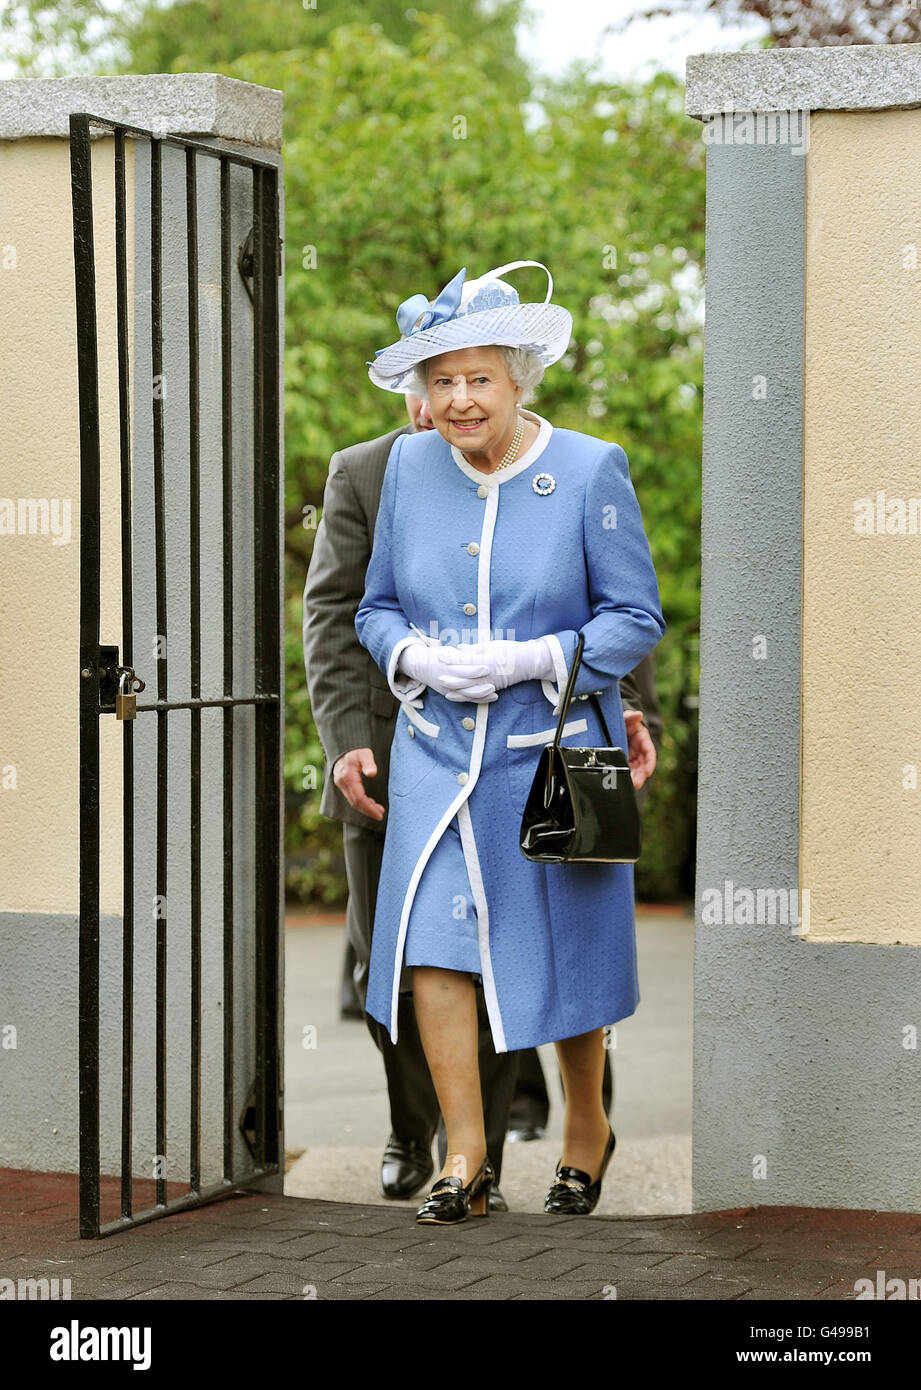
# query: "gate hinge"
247,1120
246,258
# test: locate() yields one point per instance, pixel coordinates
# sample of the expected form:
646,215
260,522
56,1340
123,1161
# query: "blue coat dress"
463,556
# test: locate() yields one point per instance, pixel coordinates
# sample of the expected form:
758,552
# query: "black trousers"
414,1112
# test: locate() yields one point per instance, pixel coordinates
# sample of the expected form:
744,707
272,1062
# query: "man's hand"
641,751
348,770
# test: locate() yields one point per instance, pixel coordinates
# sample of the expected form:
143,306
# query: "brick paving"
269,1247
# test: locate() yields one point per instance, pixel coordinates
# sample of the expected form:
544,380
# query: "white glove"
453,672
508,662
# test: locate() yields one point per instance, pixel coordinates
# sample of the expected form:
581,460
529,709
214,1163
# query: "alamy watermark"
887,514
79,1342
733,906
41,1289
36,516
891,1289
731,127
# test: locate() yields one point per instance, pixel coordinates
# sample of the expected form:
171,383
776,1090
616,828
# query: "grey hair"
523,366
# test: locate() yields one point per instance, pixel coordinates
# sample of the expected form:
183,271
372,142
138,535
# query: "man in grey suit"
355,713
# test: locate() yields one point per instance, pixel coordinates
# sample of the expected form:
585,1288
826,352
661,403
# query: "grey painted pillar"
801,1096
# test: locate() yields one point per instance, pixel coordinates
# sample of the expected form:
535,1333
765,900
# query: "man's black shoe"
495,1200
405,1167
525,1134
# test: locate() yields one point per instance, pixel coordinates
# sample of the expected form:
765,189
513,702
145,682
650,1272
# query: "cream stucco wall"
40,577
860,846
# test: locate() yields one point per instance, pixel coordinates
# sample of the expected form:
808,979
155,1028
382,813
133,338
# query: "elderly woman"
499,539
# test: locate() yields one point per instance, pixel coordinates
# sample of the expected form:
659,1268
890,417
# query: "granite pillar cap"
846,77
188,104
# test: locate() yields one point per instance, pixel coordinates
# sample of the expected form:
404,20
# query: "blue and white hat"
479,313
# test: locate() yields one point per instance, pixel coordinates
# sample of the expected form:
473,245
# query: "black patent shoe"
573,1193
450,1201
405,1167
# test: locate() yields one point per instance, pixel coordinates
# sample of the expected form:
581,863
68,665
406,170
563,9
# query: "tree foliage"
803,23
205,35
415,144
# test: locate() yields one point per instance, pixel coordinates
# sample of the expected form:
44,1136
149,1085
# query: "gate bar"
81,173
215,702
162,902
127,658
195,662
267,653
228,729
259,606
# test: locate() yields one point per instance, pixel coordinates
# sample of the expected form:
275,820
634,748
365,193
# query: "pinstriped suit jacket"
352,705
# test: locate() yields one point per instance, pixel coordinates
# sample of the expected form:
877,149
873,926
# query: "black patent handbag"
582,805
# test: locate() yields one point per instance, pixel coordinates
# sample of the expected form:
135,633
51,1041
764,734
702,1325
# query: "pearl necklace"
511,452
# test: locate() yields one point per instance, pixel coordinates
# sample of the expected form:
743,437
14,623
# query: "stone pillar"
39,584
808,945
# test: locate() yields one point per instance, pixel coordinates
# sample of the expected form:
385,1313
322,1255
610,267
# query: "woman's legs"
446,1012
585,1124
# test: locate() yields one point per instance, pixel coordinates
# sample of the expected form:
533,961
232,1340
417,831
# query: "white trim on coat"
404,687
554,692
468,843
408,695
476,758
473,771
572,726
484,633
424,725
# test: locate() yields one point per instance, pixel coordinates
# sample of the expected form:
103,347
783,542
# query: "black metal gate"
244,959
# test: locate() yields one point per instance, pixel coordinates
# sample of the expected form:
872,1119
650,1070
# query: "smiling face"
472,398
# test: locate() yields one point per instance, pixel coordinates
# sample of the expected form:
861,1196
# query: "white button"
412,732
482,491
470,609
468,723
463,778
473,548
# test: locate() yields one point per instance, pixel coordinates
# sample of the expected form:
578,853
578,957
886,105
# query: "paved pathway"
260,1246
332,1236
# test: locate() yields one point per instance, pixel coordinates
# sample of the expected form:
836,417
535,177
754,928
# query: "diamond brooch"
544,484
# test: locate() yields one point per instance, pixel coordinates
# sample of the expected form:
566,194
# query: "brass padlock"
125,698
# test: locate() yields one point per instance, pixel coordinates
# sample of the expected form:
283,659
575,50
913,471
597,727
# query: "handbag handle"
570,686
